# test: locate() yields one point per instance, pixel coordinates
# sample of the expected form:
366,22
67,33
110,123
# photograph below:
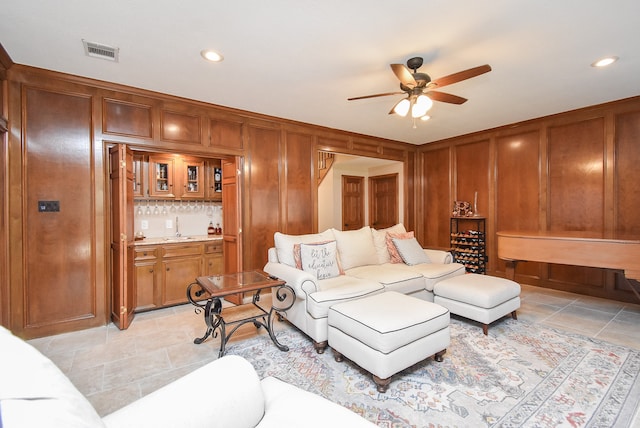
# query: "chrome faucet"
178,234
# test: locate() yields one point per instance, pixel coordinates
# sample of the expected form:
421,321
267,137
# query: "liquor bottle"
211,230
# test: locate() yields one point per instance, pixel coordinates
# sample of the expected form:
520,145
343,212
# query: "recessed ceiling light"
212,56
604,61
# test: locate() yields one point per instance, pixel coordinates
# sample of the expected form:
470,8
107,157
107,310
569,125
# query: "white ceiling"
301,60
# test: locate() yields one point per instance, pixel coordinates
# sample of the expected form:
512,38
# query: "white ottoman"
388,332
481,298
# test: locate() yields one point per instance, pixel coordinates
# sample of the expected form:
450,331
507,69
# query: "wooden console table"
571,248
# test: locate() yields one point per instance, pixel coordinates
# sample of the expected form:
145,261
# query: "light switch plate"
168,224
144,224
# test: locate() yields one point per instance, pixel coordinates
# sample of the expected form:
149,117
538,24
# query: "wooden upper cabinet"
213,180
161,176
139,179
192,178
172,176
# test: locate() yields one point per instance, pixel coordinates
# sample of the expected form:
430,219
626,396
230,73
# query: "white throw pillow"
380,241
320,260
284,244
355,247
411,251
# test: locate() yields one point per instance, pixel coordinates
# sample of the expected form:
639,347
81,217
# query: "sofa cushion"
320,259
339,289
284,244
410,251
396,277
435,272
355,247
393,251
380,241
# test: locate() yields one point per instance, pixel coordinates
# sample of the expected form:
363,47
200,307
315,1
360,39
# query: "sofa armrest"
439,256
302,282
225,393
290,406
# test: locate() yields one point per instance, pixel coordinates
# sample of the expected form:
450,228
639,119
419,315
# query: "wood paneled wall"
572,171
60,128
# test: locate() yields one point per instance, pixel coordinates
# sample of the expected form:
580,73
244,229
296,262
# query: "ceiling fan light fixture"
402,107
421,106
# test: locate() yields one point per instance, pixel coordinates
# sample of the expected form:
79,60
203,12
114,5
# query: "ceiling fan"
419,88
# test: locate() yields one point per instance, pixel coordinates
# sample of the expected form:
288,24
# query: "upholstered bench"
481,298
388,332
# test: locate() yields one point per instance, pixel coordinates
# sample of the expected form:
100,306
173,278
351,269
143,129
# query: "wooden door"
383,201
231,219
352,202
122,284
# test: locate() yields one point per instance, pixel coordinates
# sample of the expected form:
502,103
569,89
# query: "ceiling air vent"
96,50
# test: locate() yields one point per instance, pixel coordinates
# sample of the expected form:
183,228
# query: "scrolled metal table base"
212,308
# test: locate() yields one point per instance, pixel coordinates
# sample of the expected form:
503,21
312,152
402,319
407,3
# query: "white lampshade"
402,107
421,106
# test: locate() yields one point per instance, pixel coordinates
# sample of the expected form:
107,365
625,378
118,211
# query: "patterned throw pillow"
321,260
411,251
393,251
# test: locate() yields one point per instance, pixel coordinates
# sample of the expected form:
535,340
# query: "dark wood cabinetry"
468,243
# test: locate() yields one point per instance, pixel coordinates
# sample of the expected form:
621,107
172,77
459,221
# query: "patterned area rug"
521,375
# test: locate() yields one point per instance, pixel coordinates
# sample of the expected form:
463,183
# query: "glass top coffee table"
218,286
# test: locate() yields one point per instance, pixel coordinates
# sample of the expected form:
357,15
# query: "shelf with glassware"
468,243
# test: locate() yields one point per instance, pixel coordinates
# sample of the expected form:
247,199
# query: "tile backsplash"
157,219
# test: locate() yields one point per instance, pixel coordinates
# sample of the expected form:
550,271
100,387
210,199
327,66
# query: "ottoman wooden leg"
438,355
514,315
338,356
320,346
485,329
381,384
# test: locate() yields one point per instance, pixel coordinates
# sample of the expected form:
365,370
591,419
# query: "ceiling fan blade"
404,75
375,95
446,98
460,76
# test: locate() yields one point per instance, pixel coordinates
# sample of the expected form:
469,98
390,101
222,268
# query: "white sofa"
225,393
366,266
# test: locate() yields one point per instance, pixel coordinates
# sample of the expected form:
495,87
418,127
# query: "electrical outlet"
144,224
168,224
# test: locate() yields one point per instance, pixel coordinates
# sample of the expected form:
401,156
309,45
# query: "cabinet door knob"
150,270
168,269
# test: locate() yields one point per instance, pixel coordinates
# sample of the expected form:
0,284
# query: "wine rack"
468,243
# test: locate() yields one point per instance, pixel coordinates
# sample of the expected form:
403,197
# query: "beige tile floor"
113,367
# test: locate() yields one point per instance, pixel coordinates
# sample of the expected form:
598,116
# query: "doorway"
330,190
